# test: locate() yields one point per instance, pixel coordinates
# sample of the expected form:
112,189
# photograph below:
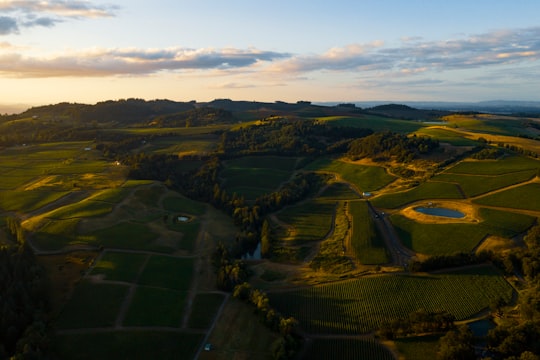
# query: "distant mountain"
494,106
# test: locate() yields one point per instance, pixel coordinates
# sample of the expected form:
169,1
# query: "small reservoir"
439,211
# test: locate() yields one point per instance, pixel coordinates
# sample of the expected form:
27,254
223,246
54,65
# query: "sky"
362,50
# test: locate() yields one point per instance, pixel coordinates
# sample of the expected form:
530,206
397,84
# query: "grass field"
427,190
167,272
442,239
509,164
365,178
361,305
156,307
311,220
338,191
447,136
183,205
112,345
366,241
252,176
27,201
374,122
438,239
348,349
419,348
474,185
525,197
238,334
119,266
204,310
92,305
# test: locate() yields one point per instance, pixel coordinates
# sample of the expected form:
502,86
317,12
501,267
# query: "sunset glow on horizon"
90,51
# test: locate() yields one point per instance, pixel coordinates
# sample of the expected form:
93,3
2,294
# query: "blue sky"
89,51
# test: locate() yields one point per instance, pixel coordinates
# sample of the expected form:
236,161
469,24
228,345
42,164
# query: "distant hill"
406,112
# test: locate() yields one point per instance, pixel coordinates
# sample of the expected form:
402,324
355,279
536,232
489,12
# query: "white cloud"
25,13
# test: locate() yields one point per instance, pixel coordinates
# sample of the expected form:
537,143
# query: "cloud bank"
413,56
21,14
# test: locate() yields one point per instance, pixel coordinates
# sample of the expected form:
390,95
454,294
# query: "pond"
438,211
254,254
183,218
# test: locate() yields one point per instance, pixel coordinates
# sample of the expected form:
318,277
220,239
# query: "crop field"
82,209
447,136
204,309
427,190
311,221
374,122
348,349
366,241
526,197
27,201
419,348
137,344
510,164
100,304
338,191
203,143
474,185
438,239
361,305
491,124
443,239
126,235
155,307
239,334
252,176
119,266
183,205
365,178
167,272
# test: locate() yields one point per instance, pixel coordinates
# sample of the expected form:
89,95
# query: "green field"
374,122
139,344
204,309
365,178
427,190
182,204
526,197
447,136
509,164
119,266
419,348
348,349
26,201
156,307
338,191
92,305
438,239
252,176
167,272
311,220
474,185
361,305
366,241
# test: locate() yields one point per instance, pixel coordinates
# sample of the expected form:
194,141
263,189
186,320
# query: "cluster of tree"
287,346
519,338
488,153
23,305
418,322
457,344
438,262
290,137
384,145
195,117
230,272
